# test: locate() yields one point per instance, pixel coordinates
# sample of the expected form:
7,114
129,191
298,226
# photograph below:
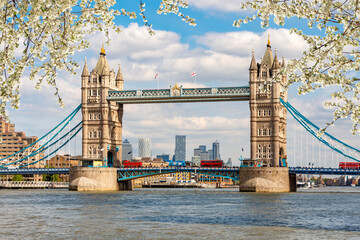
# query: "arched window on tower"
269,131
95,134
265,132
269,112
90,134
259,113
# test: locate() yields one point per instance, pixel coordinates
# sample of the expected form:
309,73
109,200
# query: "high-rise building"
180,148
211,154
144,147
216,150
203,148
127,151
197,151
204,155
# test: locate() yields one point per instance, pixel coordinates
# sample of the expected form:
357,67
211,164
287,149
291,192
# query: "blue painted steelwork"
179,94
324,171
133,173
329,140
15,171
65,121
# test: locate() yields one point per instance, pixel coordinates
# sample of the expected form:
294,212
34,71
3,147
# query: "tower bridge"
102,107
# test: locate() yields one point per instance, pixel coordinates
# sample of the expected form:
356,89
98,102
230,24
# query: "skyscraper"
145,147
180,148
127,151
197,151
216,150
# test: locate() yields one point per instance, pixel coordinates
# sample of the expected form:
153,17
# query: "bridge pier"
125,185
266,179
93,179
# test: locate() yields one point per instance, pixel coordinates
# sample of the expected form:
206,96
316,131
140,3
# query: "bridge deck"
180,95
132,173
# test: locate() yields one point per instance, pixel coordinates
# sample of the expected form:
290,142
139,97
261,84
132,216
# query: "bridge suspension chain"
29,153
326,138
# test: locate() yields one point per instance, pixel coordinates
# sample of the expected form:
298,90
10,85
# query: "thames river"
325,213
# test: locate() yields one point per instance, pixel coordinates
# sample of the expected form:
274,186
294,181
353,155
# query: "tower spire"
276,64
268,42
85,72
253,65
102,52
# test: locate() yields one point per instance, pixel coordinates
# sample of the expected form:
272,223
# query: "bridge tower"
102,119
267,114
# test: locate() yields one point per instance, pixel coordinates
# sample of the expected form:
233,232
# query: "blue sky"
221,56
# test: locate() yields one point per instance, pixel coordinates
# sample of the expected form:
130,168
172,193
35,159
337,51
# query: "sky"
219,53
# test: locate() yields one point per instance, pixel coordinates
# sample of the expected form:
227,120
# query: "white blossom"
49,32
333,55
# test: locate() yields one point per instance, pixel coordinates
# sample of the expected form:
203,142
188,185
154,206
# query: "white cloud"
218,5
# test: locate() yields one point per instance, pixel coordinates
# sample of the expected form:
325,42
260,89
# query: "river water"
325,213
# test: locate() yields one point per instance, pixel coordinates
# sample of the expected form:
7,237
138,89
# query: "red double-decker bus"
128,164
349,165
211,163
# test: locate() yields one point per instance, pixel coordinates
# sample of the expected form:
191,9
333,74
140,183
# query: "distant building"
127,151
164,157
180,148
211,154
216,150
203,148
229,163
144,147
195,160
63,161
13,142
204,155
197,151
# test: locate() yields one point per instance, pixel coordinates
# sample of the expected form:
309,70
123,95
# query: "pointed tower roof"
119,76
85,72
253,65
276,64
102,66
283,62
268,56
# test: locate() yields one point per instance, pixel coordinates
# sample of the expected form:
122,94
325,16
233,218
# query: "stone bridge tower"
267,114
102,120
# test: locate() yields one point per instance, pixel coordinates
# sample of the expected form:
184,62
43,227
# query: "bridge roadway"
133,173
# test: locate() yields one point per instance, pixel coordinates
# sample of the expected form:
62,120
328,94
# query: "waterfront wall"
265,179
93,179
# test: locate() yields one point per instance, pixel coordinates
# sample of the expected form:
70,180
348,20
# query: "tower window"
269,112
269,131
90,116
259,132
94,79
265,132
264,74
259,113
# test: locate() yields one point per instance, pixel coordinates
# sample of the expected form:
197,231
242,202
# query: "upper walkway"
179,94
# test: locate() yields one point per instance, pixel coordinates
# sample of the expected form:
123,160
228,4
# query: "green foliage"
17,178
